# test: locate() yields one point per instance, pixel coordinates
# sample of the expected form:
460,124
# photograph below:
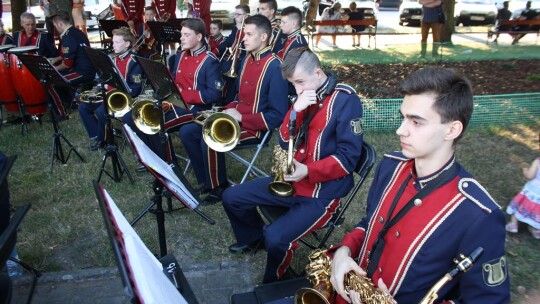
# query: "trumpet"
220,131
234,54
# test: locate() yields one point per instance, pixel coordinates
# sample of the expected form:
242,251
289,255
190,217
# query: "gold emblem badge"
137,78
495,271
65,49
356,126
219,85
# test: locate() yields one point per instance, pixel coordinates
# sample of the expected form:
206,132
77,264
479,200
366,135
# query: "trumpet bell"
221,132
279,187
118,103
146,116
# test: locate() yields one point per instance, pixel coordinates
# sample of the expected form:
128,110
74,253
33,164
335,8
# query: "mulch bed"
488,77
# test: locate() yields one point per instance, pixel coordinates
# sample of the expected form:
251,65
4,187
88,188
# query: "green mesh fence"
489,110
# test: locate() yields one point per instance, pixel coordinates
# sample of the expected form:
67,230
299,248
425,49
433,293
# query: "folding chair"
250,164
364,166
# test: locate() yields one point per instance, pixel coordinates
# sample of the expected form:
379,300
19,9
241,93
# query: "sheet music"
154,162
148,277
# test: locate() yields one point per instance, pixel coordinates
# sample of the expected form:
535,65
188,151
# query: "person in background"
79,18
216,38
165,9
55,6
354,14
329,13
201,9
526,14
291,21
149,48
132,11
4,37
30,36
268,8
525,207
431,10
503,14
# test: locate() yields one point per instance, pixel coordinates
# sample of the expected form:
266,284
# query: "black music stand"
133,260
108,74
166,32
108,26
47,74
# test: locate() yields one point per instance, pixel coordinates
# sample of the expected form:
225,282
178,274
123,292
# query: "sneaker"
535,232
512,227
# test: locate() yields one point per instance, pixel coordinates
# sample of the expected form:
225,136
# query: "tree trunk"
448,28
17,8
246,2
311,13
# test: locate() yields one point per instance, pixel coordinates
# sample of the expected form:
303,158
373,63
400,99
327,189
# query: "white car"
410,12
93,9
223,10
469,12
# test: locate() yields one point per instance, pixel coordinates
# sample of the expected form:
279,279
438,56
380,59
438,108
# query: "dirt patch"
488,77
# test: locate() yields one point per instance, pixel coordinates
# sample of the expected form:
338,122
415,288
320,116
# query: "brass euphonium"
318,272
220,131
283,164
91,96
118,102
146,113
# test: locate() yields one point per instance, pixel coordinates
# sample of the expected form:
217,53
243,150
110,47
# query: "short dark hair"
300,56
454,97
61,16
261,22
196,25
243,7
150,8
294,13
272,4
219,23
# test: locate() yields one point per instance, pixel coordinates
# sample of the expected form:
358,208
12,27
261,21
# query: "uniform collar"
23,33
294,34
423,181
218,37
260,54
124,54
322,89
65,32
198,51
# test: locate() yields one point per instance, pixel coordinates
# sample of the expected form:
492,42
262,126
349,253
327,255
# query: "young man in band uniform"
93,115
452,215
230,90
73,63
132,11
260,107
197,76
268,8
216,38
328,148
149,47
291,21
165,9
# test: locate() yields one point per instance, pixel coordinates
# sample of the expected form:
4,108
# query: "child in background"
216,37
525,207
356,15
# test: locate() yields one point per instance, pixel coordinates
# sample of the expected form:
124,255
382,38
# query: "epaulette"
472,190
345,88
398,155
210,54
275,56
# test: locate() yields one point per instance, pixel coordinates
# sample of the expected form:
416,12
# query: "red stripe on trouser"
327,216
72,76
57,101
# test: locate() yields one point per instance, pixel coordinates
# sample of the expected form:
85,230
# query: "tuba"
220,131
118,103
318,272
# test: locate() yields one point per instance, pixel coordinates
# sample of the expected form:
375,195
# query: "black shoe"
241,248
141,169
202,190
98,145
215,194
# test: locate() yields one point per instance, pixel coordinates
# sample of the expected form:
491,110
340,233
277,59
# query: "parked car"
94,10
472,12
391,3
410,12
223,10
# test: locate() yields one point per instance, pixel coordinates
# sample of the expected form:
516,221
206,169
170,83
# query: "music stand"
145,279
109,74
47,74
165,32
109,25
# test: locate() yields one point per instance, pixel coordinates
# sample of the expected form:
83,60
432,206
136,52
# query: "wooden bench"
370,24
510,24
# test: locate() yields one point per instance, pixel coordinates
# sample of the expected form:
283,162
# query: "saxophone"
318,273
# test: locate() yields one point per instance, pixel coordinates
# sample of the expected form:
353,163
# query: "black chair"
364,166
8,239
